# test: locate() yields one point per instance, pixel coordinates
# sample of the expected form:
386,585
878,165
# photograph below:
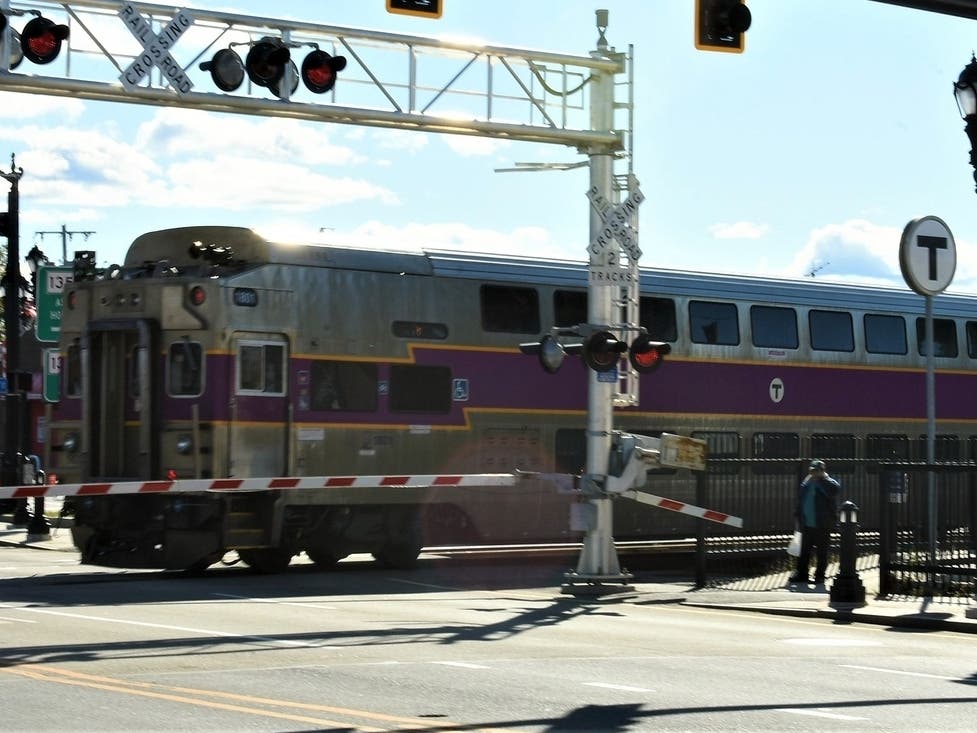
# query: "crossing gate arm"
682,508
226,485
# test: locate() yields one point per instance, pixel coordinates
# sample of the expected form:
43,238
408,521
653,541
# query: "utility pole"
65,236
14,402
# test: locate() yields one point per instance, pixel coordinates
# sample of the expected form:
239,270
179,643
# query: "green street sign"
51,283
52,375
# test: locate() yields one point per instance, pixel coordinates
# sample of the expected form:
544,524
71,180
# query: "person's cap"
816,465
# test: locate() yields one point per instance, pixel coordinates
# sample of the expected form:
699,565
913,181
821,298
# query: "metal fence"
925,538
927,542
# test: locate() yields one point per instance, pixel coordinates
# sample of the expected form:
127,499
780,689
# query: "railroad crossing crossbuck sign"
604,269
156,49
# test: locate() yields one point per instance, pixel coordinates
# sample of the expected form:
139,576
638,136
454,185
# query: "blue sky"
808,152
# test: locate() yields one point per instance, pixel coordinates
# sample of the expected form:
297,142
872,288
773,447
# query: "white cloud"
455,236
181,132
738,230
471,146
14,105
855,250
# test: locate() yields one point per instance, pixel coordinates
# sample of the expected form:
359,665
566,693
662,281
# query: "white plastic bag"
794,546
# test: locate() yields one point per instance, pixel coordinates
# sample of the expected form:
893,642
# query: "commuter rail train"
213,352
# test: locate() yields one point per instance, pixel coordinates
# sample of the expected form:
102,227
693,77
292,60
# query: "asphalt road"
444,647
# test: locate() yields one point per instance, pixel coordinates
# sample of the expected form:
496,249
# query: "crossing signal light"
266,64
226,69
41,39
721,25
646,355
550,352
602,351
319,71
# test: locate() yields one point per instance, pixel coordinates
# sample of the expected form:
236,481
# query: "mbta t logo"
927,255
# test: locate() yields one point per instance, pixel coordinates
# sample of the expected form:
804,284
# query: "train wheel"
324,559
266,560
398,555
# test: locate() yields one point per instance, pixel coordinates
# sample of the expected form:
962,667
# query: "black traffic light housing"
41,39
602,350
646,355
319,71
721,25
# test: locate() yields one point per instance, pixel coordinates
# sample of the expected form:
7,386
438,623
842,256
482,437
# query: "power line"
65,236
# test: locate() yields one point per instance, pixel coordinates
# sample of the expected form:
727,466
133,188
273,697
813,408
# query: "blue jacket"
826,492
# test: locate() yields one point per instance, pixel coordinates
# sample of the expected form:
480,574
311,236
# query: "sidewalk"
769,594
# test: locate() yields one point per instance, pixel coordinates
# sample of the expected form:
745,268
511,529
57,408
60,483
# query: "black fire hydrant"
847,587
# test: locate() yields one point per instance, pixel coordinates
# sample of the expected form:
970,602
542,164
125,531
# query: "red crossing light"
41,40
319,71
646,355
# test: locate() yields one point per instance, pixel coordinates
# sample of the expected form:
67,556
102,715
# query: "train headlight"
70,443
184,444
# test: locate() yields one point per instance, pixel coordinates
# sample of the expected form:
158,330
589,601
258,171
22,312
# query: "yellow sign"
678,451
420,8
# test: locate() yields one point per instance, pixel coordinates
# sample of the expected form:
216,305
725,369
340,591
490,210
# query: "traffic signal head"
646,355
319,71
226,69
4,224
550,352
602,350
721,25
41,39
266,61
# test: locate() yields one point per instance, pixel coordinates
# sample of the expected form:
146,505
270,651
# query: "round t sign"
927,255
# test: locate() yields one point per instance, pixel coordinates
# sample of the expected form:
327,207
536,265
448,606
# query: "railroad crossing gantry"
141,53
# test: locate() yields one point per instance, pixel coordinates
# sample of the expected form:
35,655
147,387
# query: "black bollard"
847,587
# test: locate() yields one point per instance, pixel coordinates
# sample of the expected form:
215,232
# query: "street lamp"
965,90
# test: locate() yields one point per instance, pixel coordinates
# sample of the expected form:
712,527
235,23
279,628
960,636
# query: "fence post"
885,541
702,499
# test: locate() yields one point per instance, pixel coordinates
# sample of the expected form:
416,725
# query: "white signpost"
928,259
156,49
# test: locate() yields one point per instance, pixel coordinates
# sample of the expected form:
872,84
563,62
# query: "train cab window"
944,337
773,327
776,445
945,448
261,368
569,307
343,385
713,323
657,315
184,369
887,447
510,309
416,388
885,334
72,370
831,331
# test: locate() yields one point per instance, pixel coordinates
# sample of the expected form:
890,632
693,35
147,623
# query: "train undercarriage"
194,531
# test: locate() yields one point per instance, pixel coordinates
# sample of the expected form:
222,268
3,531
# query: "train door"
120,420
258,439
